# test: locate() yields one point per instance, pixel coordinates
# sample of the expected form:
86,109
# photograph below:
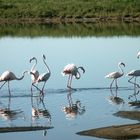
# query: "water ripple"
27,93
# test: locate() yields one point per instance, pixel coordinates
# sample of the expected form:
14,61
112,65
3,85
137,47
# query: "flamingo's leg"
43,87
9,89
70,80
68,83
31,90
135,84
112,83
116,83
3,84
38,89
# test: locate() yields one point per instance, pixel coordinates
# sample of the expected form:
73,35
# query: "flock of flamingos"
71,70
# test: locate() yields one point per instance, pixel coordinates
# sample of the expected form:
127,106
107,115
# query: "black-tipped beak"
123,64
44,57
82,69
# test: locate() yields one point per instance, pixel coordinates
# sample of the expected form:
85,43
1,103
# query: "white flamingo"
72,70
116,75
134,74
8,76
35,74
42,77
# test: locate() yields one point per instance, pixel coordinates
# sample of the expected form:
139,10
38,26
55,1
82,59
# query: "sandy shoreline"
128,131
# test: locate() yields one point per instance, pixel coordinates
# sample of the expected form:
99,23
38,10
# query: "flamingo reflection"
8,114
73,109
133,98
39,111
114,99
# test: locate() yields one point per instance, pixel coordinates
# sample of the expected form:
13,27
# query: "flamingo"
42,77
35,74
8,76
116,75
72,70
134,74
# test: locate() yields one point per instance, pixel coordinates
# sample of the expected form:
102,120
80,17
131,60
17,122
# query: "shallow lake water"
98,55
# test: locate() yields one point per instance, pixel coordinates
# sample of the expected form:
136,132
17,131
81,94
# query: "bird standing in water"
35,74
116,75
8,76
42,77
134,74
72,70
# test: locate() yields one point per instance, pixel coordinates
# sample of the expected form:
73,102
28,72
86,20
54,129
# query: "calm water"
98,55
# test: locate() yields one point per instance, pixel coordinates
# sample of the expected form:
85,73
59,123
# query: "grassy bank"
69,10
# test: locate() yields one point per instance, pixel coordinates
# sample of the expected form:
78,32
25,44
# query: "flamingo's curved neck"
121,70
48,69
20,78
78,75
34,65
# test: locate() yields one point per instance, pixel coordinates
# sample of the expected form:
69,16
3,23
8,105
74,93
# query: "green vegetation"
70,30
71,12
70,9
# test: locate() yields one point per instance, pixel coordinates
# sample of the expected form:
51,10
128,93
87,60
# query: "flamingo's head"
82,69
32,59
44,57
121,63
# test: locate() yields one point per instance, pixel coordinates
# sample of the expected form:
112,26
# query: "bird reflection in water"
73,109
114,99
39,111
9,114
133,98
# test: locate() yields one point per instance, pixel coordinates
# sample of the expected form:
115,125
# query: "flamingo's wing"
134,73
44,77
114,75
7,75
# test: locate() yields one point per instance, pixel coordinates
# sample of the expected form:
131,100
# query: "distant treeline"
69,10
70,30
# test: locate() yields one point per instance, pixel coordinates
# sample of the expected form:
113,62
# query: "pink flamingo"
72,70
8,76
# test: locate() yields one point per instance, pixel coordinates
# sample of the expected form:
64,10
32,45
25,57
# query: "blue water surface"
99,56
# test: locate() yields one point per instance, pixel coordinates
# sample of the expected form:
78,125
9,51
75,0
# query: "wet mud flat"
23,128
128,131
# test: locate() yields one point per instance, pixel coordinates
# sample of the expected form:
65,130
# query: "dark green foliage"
68,8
